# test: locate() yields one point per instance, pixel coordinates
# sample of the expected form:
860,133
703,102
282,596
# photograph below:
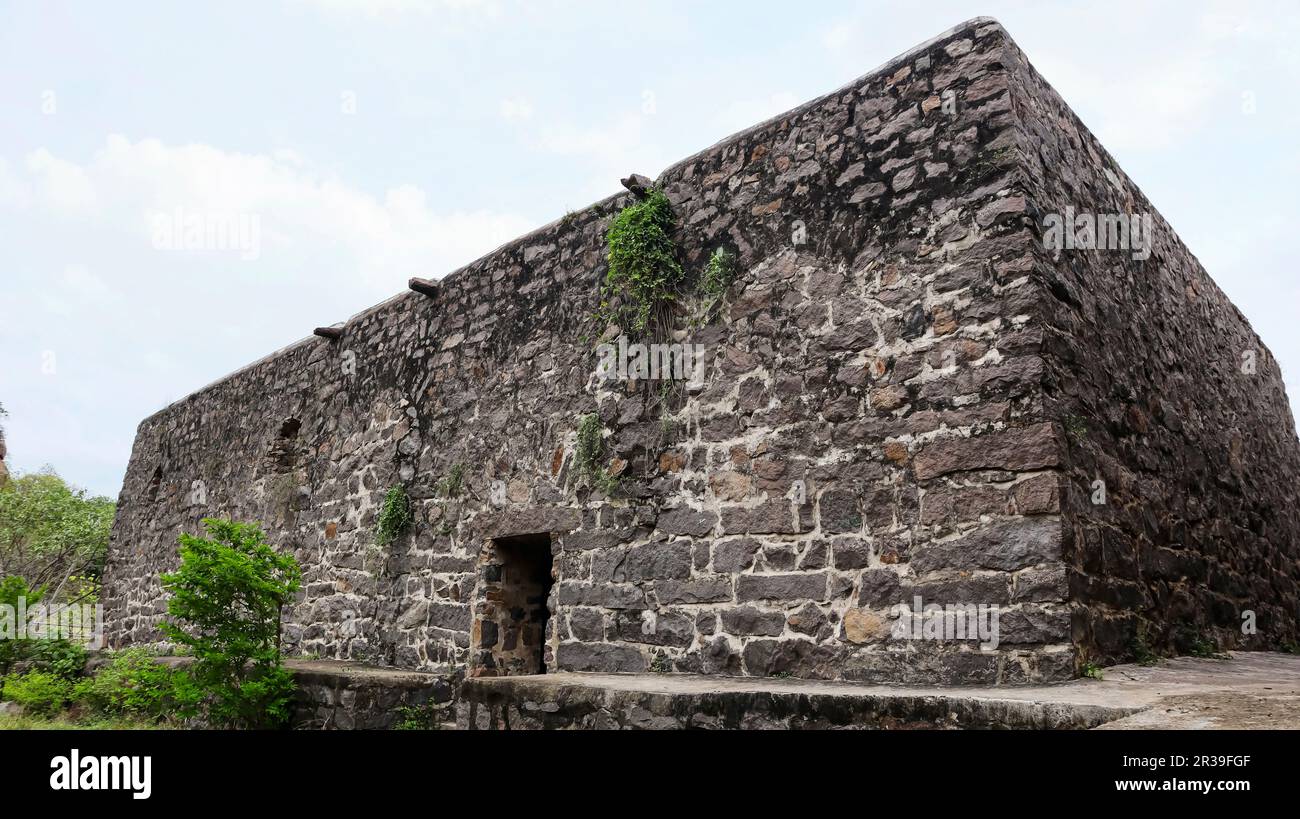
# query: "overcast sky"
366,141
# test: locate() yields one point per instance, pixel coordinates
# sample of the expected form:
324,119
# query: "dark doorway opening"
511,628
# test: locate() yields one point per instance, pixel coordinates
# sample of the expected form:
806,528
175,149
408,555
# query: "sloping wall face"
1183,527
869,430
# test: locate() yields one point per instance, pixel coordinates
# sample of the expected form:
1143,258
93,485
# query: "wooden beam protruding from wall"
426,286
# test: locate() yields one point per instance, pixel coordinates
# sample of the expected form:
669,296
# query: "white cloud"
61,185
513,110
624,145
1140,106
299,208
79,281
13,193
1227,23
385,8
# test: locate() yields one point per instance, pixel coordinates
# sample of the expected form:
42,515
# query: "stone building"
918,386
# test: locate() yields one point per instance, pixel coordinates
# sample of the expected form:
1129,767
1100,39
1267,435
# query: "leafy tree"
226,601
4,471
54,535
13,648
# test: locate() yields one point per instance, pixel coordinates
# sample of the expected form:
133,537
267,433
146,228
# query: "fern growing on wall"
394,516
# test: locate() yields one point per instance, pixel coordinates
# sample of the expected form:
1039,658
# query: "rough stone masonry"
909,391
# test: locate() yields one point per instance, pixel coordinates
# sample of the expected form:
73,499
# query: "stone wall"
882,417
1181,459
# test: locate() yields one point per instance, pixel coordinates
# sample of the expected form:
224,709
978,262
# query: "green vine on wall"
644,273
591,443
452,485
394,516
590,454
719,273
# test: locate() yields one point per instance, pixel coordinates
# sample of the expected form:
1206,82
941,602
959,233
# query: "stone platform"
343,695
1248,690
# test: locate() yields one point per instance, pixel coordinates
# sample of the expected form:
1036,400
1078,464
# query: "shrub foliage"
225,605
644,274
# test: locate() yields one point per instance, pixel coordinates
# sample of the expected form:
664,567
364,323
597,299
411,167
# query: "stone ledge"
334,694
673,701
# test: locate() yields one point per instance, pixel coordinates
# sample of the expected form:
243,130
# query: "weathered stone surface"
880,588
1048,584
676,702
733,556
1026,448
1029,624
781,587
654,561
1010,545
747,621
704,589
586,625
863,626
764,657
770,517
347,696
687,522
601,657
663,628
840,511
1038,495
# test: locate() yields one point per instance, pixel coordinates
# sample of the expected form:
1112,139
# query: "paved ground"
1251,690
1246,690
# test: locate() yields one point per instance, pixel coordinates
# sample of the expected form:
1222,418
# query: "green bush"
644,274
417,718
132,683
38,692
226,602
61,657
55,655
